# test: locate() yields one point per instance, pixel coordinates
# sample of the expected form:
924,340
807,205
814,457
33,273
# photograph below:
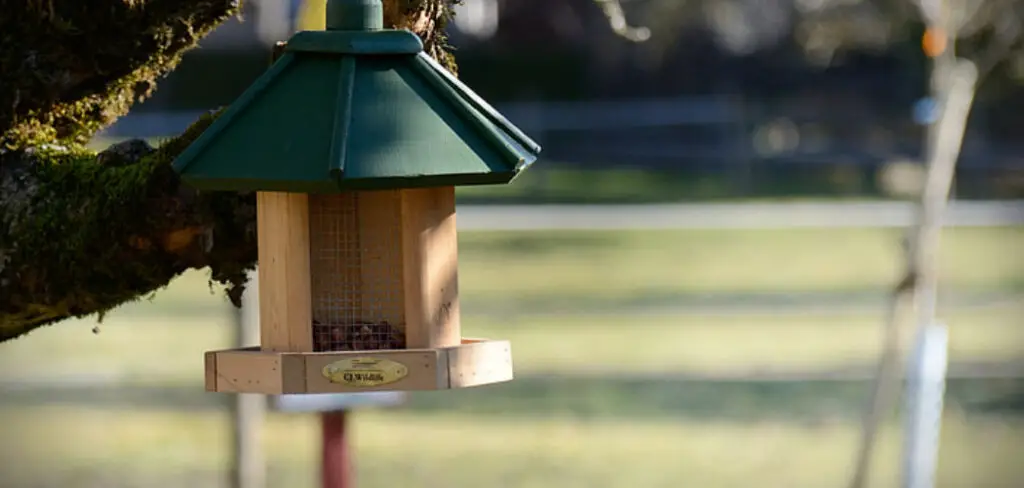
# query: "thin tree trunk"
82,233
912,305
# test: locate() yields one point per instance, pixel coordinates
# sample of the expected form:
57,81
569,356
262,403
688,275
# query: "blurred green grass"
143,349
639,266
544,184
99,448
602,398
576,396
513,272
569,300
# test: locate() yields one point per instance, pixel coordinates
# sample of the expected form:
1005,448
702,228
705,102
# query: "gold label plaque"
364,371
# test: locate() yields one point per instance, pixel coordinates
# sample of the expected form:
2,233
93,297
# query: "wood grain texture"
248,371
284,272
478,362
473,362
210,367
430,262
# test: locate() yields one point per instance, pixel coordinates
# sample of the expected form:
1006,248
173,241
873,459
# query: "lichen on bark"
71,67
84,232
429,19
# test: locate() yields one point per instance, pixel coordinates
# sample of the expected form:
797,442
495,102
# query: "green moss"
73,67
89,232
71,242
81,232
435,41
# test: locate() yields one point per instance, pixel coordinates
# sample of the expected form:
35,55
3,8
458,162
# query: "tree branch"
913,302
72,67
617,20
1008,35
82,233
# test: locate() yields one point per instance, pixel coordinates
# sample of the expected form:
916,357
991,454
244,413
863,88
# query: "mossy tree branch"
72,67
83,232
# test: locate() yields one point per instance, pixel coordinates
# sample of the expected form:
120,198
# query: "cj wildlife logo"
365,372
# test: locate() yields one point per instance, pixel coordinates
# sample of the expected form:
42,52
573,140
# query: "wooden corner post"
282,221
430,262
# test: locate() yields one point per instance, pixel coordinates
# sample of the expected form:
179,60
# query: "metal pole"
336,466
248,467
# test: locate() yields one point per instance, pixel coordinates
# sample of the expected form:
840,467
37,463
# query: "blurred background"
702,307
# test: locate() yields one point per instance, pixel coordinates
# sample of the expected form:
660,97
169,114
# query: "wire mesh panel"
356,271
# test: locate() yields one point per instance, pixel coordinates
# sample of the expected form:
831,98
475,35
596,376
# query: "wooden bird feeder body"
354,142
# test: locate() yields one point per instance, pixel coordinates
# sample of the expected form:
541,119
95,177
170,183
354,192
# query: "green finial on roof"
355,15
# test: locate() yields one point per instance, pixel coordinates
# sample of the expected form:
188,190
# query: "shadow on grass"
584,397
635,302
551,243
655,300
567,183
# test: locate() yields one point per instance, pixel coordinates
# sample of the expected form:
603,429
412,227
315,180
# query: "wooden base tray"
475,362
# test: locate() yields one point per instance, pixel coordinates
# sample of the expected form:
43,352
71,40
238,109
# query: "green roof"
342,110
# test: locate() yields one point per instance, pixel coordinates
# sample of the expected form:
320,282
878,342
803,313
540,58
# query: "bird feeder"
354,141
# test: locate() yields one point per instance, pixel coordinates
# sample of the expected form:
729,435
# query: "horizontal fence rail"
731,216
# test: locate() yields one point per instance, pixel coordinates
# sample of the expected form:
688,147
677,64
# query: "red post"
337,462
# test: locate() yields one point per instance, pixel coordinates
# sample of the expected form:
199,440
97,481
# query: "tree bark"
83,232
71,67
